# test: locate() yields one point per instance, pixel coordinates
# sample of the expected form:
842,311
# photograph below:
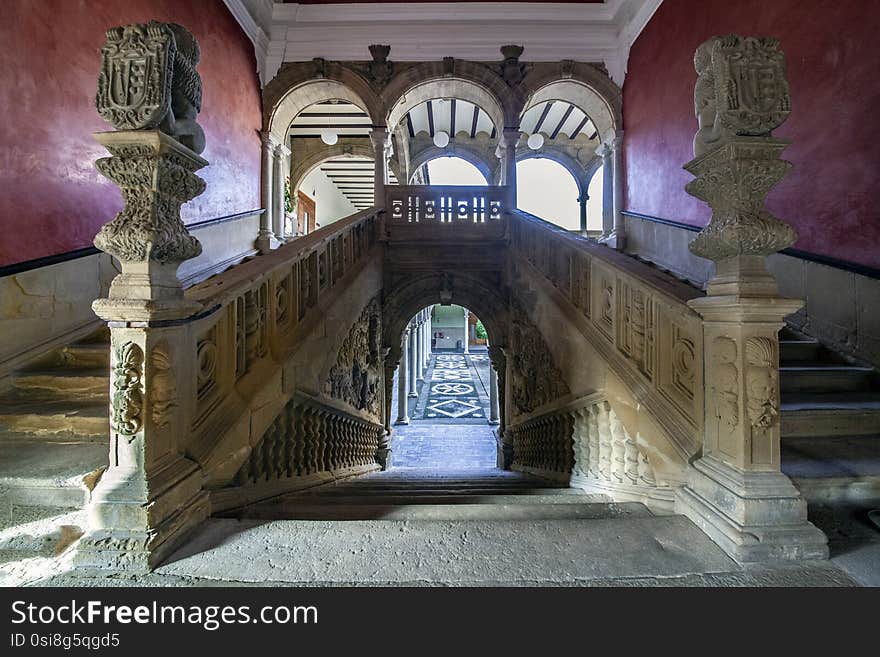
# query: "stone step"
513,510
835,469
800,350
830,414
53,475
536,497
428,492
823,377
24,417
72,383
89,355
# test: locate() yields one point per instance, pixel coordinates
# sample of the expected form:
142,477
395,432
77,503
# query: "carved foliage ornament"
355,376
163,388
535,379
154,185
148,81
762,402
127,405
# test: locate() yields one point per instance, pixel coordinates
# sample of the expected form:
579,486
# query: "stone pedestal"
151,494
736,492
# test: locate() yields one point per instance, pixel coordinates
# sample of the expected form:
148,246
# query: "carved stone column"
266,238
582,202
614,150
402,397
381,143
736,492
413,361
509,140
279,185
467,329
493,396
383,448
430,338
604,151
504,442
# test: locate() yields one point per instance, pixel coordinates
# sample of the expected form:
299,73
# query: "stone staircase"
830,411
54,432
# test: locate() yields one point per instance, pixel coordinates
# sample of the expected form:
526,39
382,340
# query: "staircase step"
834,469
73,383
830,414
56,475
24,417
429,492
514,510
799,350
519,497
87,355
823,377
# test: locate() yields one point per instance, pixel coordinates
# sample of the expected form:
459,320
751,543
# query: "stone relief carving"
354,378
380,69
163,387
724,376
741,89
149,226
741,95
148,80
512,70
762,402
320,66
535,379
127,405
683,359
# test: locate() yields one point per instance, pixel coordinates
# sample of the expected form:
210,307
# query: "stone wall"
54,199
841,306
830,49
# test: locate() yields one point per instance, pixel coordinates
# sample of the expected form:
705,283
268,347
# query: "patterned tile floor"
449,419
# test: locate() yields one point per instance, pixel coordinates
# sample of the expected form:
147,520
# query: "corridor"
448,427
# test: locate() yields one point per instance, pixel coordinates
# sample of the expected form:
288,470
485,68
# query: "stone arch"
571,164
304,164
455,150
487,301
586,88
476,83
296,87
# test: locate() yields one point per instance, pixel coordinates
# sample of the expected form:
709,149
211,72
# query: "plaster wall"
831,47
330,204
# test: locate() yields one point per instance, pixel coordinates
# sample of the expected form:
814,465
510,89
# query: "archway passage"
444,394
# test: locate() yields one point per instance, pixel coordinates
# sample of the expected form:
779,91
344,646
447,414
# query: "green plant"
288,201
480,331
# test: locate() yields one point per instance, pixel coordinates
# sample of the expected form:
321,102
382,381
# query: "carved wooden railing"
449,204
256,313
635,316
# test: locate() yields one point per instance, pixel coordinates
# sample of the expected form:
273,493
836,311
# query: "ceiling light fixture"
441,139
535,141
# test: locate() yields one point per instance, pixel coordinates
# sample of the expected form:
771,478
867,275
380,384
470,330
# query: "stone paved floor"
449,426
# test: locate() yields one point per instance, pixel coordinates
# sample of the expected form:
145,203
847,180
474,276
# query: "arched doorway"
445,393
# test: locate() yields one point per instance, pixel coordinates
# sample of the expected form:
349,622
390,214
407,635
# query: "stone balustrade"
446,204
636,318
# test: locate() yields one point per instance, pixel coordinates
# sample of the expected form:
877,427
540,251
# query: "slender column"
381,143
420,349
402,406
604,151
493,396
282,153
613,152
509,140
413,363
467,329
266,238
582,200
430,335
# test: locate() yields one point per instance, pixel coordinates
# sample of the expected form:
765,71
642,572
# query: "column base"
266,242
413,394
134,532
402,420
613,240
494,423
752,516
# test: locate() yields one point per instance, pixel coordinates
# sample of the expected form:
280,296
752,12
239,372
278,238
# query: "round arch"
305,164
571,164
307,93
453,150
591,102
469,82
485,301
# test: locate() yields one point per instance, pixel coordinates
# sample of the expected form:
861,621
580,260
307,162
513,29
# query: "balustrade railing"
449,204
635,316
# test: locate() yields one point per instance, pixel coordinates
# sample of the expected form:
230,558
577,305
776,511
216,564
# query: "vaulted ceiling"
343,118
557,118
353,177
449,115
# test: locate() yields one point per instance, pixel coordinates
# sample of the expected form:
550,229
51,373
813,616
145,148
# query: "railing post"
150,494
736,492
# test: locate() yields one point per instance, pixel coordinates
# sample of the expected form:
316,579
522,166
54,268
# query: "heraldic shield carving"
148,81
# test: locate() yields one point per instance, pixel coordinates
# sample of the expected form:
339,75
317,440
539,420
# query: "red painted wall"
52,199
832,50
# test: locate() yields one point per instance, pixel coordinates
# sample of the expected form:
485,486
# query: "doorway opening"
445,394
